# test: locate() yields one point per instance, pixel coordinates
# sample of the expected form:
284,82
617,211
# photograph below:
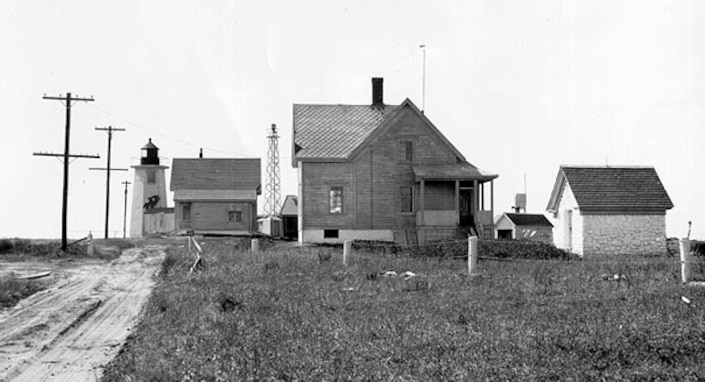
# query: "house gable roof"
216,174
389,122
533,220
332,132
611,189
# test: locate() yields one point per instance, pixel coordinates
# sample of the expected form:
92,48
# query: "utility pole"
66,155
107,170
124,217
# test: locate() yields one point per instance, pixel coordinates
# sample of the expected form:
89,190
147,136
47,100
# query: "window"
330,233
235,216
336,200
186,211
406,151
151,177
407,198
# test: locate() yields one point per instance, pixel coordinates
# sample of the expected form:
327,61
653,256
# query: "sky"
519,87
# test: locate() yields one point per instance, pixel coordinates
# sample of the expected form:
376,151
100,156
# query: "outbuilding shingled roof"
216,174
334,131
531,220
606,189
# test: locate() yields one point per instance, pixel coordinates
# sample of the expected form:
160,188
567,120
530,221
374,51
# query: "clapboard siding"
318,179
372,182
213,216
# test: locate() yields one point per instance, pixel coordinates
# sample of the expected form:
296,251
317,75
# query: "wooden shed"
289,215
216,195
534,227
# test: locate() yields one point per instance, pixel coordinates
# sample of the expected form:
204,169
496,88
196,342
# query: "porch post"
475,200
482,185
457,202
492,199
492,206
475,196
421,202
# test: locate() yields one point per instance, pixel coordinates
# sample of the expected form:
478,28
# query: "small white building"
609,210
534,227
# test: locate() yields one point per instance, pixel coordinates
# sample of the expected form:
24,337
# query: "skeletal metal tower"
272,189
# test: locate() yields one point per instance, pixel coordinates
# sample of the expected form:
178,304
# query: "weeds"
245,319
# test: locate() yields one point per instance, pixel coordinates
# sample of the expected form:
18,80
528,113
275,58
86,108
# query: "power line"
64,209
167,136
107,170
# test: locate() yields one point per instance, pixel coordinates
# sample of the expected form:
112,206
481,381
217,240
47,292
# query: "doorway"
465,207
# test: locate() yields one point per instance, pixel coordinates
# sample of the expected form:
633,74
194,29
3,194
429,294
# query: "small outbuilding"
216,196
535,227
609,210
290,217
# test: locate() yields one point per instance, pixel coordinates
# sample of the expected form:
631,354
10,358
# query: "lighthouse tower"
148,188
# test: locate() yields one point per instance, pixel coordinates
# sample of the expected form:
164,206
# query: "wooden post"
347,251
472,255
422,207
686,259
255,245
457,202
91,246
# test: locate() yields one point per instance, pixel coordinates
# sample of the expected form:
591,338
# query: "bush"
37,248
499,249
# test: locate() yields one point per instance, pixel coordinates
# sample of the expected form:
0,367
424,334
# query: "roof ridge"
609,166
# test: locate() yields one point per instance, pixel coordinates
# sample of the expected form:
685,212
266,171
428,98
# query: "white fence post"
255,245
91,246
472,255
686,259
347,251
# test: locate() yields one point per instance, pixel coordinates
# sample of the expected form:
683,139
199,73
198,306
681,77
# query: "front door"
465,208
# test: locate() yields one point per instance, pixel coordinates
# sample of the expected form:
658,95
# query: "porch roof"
459,171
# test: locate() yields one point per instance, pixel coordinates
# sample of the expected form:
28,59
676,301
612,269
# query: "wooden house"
609,210
289,215
383,172
216,195
534,227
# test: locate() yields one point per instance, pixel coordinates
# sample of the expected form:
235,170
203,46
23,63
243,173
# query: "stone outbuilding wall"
624,234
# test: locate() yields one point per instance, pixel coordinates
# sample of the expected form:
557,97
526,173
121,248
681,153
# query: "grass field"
290,315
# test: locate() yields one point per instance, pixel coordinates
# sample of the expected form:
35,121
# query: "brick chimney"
377,92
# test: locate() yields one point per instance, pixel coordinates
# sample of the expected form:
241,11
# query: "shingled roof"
531,220
216,174
332,132
612,189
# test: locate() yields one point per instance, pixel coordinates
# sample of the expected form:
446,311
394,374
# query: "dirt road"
71,330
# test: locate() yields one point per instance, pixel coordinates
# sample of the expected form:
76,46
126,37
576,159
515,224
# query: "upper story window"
151,177
405,150
336,199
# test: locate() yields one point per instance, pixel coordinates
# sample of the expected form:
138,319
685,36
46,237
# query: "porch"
453,201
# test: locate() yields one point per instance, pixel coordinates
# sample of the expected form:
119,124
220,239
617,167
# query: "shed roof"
533,220
459,171
606,189
289,207
334,131
216,174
